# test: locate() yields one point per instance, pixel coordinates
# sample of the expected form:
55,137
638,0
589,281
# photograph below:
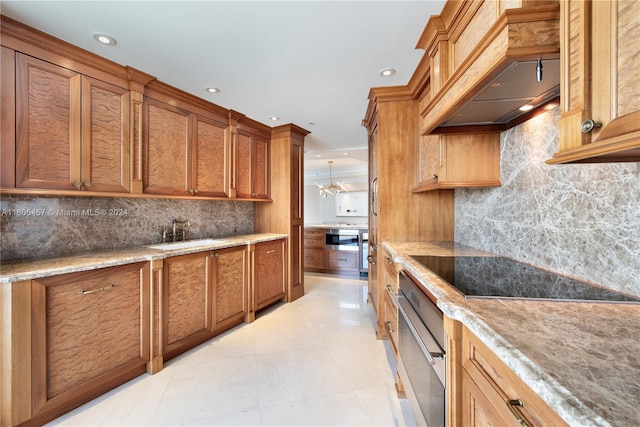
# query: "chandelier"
327,190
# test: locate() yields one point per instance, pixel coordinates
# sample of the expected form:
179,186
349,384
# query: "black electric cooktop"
499,277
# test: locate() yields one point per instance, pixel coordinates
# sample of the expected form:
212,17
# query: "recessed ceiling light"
104,39
526,107
213,89
387,72
274,118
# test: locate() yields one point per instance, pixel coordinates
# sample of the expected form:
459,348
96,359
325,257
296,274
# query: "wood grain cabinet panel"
269,274
72,131
230,286
187,302
600,69
344,261
252,166
185,154
457,161
492,394
166,145
90,333
211,155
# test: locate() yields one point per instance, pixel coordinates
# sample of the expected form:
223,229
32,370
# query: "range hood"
476,78
513,93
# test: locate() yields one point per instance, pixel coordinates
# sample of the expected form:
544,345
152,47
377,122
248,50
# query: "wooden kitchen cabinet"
80,141
343,262
230,287
187,303
396,214
390,286
89,333
186,149
492,394
455,161
600,70
314,249
286,212
268,273
252,160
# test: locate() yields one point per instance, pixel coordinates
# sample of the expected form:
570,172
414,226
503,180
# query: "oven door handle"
412,319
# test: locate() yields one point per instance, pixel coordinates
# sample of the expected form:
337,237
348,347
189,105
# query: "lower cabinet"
492,394
269,279
343,262
230,287
186,303
90,333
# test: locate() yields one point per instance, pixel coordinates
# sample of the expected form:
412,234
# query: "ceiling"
310,63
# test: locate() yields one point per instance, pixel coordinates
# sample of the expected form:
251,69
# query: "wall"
45,226
578,220
318,210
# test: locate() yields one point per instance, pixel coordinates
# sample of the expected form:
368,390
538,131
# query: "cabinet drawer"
314,239
500,385
314,258
342,260
391,320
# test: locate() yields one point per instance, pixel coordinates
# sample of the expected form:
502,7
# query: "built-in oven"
343,240
421,355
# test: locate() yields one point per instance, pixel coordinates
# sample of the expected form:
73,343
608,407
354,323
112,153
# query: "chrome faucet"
179,231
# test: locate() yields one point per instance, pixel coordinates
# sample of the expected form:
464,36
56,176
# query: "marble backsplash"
48,226
578,220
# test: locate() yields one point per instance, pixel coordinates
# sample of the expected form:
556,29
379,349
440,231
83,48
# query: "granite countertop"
342,225
583,359
27,269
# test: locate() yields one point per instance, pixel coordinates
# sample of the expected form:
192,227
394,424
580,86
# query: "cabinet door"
105,136
166,149
343,261
252,160
210,166
230,285
477,409
260,169
600,48
186,299
47,133
90,334
269,273
430,159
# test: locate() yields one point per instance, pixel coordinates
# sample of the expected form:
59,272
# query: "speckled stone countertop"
339,225
582,359
17,270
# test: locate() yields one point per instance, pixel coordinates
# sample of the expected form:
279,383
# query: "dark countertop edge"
553,393
28,269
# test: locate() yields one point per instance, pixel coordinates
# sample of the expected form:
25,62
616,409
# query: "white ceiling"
310,63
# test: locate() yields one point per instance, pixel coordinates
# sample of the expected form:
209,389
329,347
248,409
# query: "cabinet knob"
370,260
435,176
77,184
389,328
195,191
588,125
87,184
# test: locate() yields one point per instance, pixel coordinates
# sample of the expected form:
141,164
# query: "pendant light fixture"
328,190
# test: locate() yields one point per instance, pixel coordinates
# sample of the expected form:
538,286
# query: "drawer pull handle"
388,325
512,404
388,260
95,291
370,259
271,251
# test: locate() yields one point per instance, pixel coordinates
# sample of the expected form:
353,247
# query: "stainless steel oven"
343,240
421,355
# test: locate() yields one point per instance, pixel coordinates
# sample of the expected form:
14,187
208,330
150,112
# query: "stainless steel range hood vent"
499,102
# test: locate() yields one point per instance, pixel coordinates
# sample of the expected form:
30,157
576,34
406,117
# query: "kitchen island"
582,359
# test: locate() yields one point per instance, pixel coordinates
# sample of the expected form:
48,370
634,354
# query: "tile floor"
315,361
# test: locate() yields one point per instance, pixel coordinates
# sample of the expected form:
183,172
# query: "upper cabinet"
186,149
250,158
79,142
453,161
75,123
600,99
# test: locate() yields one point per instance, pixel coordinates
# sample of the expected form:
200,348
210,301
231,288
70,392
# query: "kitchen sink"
185,244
